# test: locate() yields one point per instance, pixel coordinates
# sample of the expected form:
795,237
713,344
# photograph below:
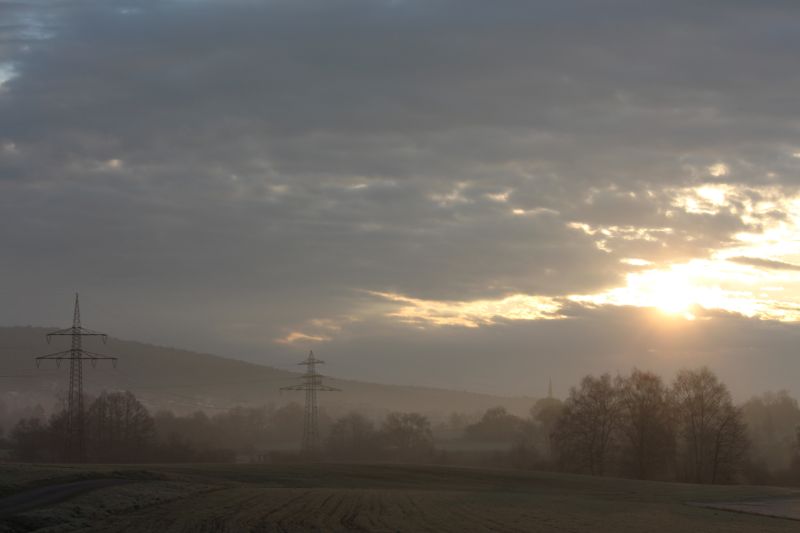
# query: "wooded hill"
185,381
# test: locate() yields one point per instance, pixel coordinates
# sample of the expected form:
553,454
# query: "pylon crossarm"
294,387
77,354
317,386
57,357
95,357
79,331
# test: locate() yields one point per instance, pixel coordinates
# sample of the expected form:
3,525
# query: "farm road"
776,507
51,494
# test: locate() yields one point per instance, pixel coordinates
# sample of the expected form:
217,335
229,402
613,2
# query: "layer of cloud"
246,176
765,263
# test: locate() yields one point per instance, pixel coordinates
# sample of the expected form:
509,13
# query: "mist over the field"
400,265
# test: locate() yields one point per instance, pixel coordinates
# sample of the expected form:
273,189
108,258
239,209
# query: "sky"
464,194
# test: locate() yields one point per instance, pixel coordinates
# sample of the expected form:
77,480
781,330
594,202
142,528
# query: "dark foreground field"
325,497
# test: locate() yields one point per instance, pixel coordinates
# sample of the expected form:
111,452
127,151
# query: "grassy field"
329,497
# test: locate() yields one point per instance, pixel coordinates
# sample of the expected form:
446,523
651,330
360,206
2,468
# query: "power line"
217,383
21,376
132,386
140,386
312,382
75,448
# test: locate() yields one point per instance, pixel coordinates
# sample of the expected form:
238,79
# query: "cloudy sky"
459,193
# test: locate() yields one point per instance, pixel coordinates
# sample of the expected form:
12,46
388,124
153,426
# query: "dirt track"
51,494
777,507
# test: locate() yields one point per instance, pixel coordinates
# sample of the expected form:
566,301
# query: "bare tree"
646,426
712,440
409,434
353,436
243,428
496,424
584,434
772,420
546,413
119,428
794,467
32,440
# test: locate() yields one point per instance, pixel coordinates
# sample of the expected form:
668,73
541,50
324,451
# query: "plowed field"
235,498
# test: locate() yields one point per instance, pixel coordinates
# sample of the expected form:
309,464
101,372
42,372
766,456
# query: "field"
333,497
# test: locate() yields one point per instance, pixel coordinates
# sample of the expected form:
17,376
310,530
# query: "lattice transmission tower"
312,382
75,444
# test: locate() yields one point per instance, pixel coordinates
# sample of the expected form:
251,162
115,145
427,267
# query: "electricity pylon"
75,445
312,382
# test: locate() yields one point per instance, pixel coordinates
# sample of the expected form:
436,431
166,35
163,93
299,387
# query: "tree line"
635,425
119,429
638,426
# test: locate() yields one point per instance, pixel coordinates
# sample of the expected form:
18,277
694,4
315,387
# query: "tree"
409,434
119,428
794,466
32,441
545,413
646,427
242,428
286,423
772,420
497,424
584,434
353,436
712,441
458,422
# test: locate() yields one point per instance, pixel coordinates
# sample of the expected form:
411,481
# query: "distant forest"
634,426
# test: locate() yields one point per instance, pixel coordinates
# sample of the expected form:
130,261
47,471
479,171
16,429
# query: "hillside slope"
186,381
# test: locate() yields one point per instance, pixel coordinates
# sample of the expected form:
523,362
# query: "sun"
669,291
690,289
674,299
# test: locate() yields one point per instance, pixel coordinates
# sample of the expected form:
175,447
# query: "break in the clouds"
260,177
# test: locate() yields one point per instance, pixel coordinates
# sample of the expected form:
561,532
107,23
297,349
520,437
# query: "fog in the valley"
636,425
399,265
523,235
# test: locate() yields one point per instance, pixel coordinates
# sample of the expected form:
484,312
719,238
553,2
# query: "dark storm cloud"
256,165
